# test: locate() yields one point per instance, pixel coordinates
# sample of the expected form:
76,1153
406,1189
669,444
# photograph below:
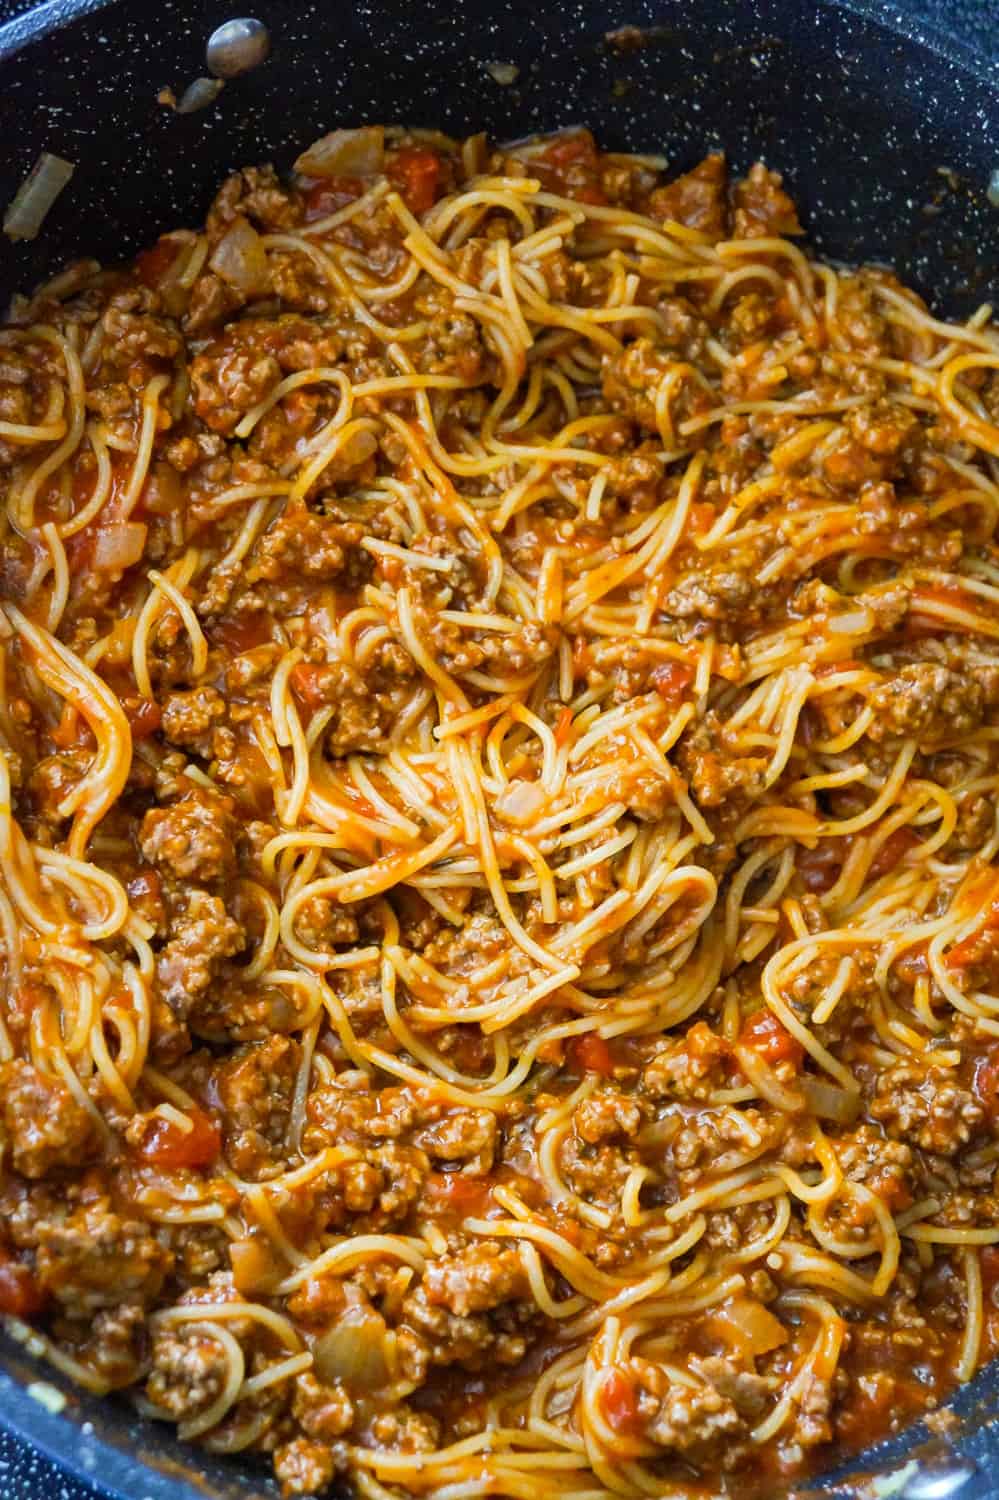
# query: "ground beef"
696,1421
322,1411
882,428
632,378
194,839
321,924
367,704
95,1258
976,821
596,1174
471,1339
467,1135
255,1088
301,542
607,1116
505,654
189,717
366,1196
712,594
53,778
226,385
858,318
708,1136
350,1110
212,301
132,331
926,702
202,935
761,207
454,343
46,1126
304,1467
748,1392
713,772
883,1165
697,199
475,1280
116,1348
689,1067
259,194
188,1370
926,1106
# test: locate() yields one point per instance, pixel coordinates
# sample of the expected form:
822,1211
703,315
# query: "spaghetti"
498,835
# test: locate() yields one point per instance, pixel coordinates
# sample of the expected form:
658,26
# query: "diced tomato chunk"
20,1294
457,1194
619,1399
330,195
166,1144
154,263
768,1036
416,173
892,851
670,680
309,680
563,727
242,634
701,517
979,943
590,1054
572,150
570,164
143,715
986,1083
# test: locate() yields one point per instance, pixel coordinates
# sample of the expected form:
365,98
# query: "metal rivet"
236,47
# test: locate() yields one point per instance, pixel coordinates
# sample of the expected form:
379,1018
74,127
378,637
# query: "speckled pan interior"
888,135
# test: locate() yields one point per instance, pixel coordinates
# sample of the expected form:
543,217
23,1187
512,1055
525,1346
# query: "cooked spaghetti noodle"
499,897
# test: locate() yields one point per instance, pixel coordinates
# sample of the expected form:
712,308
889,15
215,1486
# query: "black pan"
888,133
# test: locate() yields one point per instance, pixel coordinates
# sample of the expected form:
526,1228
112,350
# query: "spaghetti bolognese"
500,705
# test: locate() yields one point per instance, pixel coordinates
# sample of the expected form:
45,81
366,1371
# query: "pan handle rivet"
236,47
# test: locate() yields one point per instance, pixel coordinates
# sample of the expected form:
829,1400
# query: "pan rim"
70,1443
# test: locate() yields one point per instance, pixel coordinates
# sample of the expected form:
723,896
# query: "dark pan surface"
861,120
860,106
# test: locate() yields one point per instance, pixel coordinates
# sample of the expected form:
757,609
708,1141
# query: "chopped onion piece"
254,1268
36,195
748,1326
828,1100
345,153
241,260
503,73
356,451
119,546
521,801
853,622
353,1350
199,94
